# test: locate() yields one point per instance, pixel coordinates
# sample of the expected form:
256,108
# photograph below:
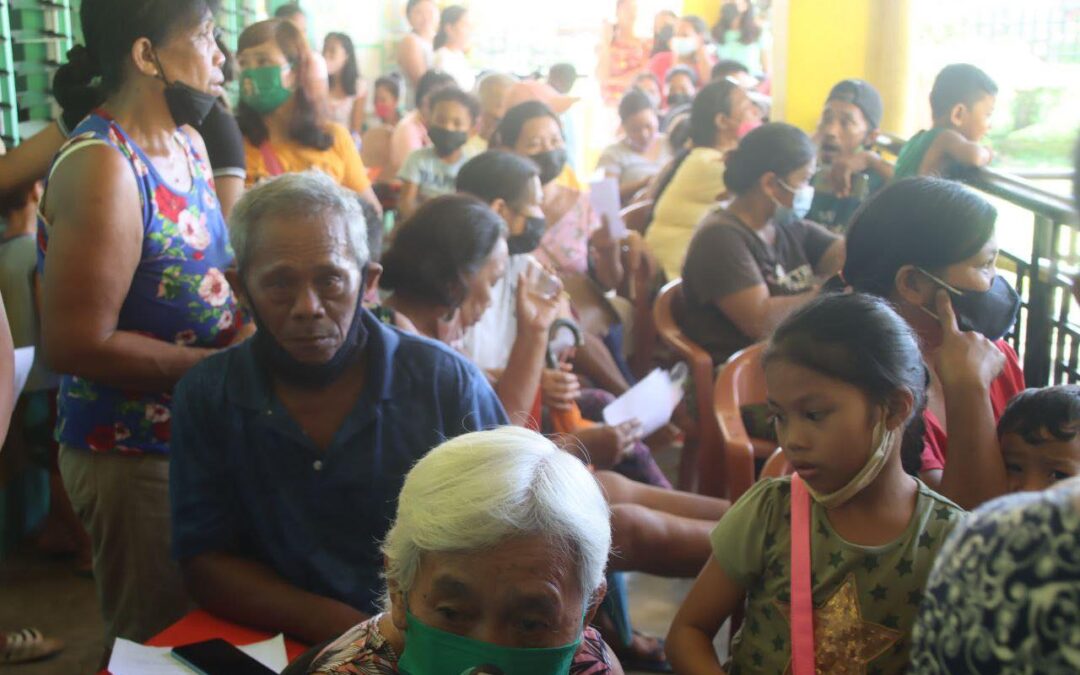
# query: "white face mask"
683,46
803,199
870,471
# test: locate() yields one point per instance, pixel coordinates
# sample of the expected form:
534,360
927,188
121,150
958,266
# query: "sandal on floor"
26,645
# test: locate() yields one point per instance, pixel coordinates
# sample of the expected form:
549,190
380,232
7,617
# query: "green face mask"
430,651
261,89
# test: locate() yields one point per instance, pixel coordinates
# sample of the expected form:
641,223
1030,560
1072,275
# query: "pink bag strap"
802,597
270,159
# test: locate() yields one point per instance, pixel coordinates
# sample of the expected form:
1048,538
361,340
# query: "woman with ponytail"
132,249
452,44
752,264
694,181
282,111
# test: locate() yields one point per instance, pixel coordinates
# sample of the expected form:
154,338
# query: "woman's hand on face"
965,358
559,388
536,313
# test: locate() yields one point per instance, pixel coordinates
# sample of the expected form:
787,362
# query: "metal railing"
1039,237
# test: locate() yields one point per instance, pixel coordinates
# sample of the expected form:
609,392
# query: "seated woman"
282,123
574,245
928,246
693,183
348,93
642,151
533,130
494,564
443,269
751,265
452,44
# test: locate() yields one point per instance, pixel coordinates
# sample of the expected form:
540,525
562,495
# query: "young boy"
850,171
431,171
1040,437
962,101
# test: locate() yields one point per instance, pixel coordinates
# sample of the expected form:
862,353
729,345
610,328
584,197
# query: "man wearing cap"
850,170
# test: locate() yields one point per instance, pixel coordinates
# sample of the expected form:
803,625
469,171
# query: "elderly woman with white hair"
494,564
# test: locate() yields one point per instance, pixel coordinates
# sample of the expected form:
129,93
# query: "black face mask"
446,142
270,354
529,239
186,104
551,164
674,100
991,313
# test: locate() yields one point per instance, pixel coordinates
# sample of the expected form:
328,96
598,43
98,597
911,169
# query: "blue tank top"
178,294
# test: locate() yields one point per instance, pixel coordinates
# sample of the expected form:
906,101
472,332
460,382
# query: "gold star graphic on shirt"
845,644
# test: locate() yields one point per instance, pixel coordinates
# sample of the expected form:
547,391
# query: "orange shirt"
341,161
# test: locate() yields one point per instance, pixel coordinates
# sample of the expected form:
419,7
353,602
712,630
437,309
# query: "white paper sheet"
651,401
24,361
604,197
131,658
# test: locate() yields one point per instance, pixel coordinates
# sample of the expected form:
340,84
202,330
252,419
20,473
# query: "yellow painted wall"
706,9
827,42
824,41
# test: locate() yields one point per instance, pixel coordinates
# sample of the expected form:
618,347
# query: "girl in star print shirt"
845,378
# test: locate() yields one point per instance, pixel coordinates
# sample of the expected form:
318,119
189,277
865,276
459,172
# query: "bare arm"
520,380
832,260
407,199
954,146
756,313
410,57
967,363
356,119
252,594
229,190
96,243
714,598
29,161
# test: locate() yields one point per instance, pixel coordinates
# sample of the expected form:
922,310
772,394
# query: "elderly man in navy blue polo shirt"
289,450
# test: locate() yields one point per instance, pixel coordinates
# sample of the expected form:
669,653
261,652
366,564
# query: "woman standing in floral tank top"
133,248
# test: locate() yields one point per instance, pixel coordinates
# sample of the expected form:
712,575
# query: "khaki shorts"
123,501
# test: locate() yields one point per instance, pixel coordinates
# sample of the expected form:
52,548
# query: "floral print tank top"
178,294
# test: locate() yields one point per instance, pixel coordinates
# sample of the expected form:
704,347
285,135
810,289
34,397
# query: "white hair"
483,488
297,195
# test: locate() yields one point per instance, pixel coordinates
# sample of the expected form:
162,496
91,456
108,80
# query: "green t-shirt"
865,598
911,155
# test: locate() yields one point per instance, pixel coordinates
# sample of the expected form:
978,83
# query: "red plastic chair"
706,435
741,382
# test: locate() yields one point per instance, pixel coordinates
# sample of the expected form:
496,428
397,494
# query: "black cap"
863,96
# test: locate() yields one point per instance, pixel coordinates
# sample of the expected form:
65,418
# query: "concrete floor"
45,593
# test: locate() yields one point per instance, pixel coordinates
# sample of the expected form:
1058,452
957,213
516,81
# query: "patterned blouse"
178,294
565,245
363,650
1004,595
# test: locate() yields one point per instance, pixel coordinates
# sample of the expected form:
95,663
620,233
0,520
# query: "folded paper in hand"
651,401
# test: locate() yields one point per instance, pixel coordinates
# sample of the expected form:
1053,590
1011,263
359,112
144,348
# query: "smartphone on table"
218,657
